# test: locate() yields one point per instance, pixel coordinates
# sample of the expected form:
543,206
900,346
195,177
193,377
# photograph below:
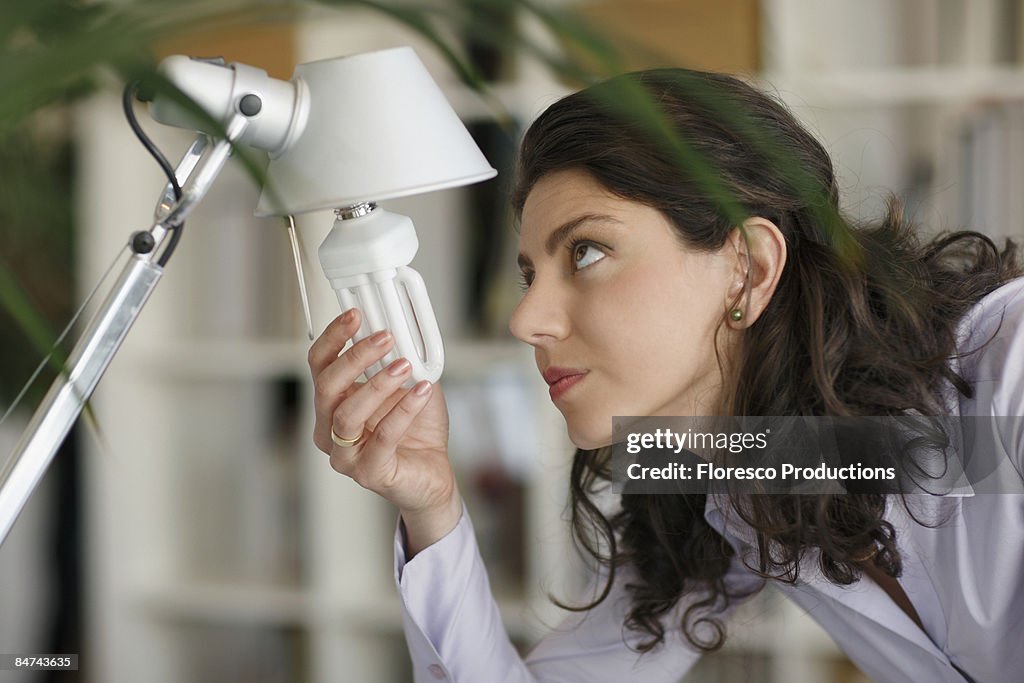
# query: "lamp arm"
97,346
206,171
72,388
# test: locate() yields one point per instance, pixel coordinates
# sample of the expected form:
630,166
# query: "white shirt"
964,577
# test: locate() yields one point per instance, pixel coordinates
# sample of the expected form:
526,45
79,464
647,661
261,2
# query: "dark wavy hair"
863,322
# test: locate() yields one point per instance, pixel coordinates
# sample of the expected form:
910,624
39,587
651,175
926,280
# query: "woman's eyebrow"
562,233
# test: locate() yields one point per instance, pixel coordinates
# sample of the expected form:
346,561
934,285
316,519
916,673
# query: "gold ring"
344,443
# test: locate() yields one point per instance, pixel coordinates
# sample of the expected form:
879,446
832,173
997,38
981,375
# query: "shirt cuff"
462,527
452,625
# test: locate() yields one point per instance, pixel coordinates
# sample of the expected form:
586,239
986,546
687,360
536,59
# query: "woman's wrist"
425,527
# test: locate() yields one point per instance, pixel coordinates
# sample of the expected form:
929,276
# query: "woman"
729,285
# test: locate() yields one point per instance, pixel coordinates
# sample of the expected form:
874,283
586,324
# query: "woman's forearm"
425,527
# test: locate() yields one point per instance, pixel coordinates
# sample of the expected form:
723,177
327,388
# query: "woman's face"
616,302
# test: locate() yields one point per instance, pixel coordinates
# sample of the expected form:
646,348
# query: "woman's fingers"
335,373
328,345
393,426
350,417
372,464
345,369
334,382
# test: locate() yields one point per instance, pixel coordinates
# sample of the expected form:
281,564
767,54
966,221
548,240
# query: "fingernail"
380,338
348,315
398,367
422,389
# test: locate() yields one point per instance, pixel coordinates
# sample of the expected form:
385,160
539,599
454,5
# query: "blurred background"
190,531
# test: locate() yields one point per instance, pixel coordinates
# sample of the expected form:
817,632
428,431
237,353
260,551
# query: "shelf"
384,615
222,602
247,358
280,606
749,632
523,101
899,86
219,358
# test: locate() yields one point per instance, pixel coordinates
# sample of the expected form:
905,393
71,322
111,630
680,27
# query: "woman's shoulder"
990,336
988,422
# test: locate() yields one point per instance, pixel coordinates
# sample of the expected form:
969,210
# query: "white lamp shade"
377,127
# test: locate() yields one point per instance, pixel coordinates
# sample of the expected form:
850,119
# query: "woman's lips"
564,384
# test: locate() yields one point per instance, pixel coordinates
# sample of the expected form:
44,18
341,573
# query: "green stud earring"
736,314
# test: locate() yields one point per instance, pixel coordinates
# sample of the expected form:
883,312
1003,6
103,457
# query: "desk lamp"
342,134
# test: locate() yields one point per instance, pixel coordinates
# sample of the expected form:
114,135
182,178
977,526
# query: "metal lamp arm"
97,346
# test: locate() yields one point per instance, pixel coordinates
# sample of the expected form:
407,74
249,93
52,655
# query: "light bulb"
366,257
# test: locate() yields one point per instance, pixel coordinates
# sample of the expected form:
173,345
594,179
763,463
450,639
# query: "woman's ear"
759,248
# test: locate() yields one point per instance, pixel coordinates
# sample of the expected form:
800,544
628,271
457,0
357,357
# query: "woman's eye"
584,255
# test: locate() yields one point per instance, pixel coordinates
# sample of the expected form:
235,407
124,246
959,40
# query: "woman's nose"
540,316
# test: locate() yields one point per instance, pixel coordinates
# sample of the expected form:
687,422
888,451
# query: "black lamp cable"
129,113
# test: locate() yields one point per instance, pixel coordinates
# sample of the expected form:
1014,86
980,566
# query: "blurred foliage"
36,242
53,52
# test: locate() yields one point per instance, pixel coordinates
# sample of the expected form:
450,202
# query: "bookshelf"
221,542
925,98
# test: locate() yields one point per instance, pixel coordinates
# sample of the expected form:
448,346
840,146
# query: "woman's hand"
403,453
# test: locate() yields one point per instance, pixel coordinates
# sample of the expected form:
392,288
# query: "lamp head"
377,127
343,131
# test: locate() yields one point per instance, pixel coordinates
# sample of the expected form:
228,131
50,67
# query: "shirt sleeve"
995,367
454,630
1008,399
